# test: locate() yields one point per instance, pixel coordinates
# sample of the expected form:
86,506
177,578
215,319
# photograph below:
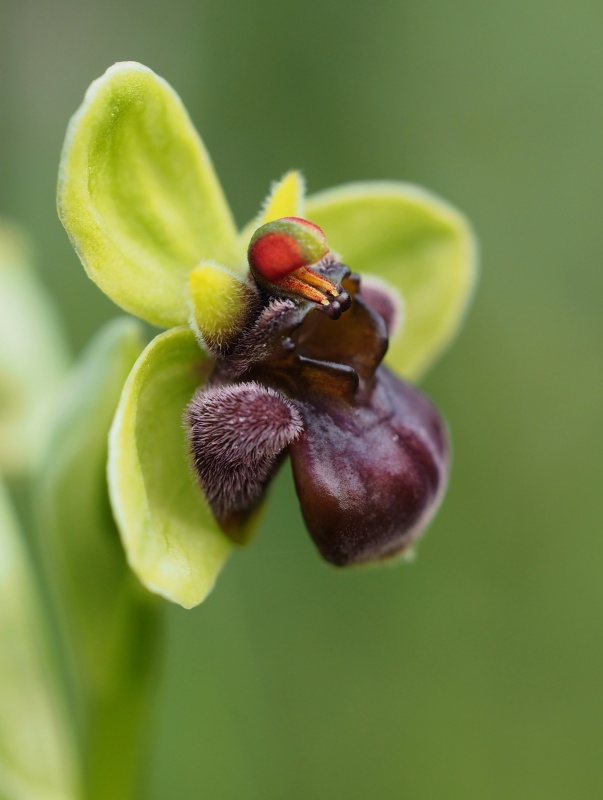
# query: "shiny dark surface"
368,476
369,453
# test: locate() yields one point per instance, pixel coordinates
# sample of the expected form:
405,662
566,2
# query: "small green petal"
286,199
109,620
221,301
139,197
171,538
33,355
36,749
418,243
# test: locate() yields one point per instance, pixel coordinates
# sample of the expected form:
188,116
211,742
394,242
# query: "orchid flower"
282,340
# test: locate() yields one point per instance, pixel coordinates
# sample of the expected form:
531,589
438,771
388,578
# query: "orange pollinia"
289,257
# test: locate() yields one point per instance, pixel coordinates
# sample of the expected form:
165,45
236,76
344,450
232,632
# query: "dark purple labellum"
369,478
369,451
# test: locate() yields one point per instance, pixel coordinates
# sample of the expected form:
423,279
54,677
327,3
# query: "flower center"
288,256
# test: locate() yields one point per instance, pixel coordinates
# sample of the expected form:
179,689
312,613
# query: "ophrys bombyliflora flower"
145,212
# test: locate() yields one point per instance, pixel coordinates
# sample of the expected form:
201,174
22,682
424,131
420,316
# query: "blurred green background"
477,671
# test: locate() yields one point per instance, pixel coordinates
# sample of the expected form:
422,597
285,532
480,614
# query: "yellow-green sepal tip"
285,199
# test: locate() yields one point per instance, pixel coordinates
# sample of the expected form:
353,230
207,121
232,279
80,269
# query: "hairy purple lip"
369,451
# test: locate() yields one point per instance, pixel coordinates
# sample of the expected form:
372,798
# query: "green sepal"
33,355
37,758
171,538
109,621
416,242
139,197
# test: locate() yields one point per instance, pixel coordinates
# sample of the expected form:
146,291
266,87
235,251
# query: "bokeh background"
475,672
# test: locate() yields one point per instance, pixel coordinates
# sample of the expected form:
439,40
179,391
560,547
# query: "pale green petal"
138,194
36,749
171,538
108,618
286,199
416,242
221,302
33,355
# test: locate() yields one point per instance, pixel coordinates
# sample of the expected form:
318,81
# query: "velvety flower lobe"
369,451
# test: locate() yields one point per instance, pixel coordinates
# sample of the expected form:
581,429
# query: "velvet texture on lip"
303,376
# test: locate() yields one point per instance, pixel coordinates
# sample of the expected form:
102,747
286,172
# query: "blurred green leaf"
109,619
33,355
138,194
171,538
417,243
36,749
